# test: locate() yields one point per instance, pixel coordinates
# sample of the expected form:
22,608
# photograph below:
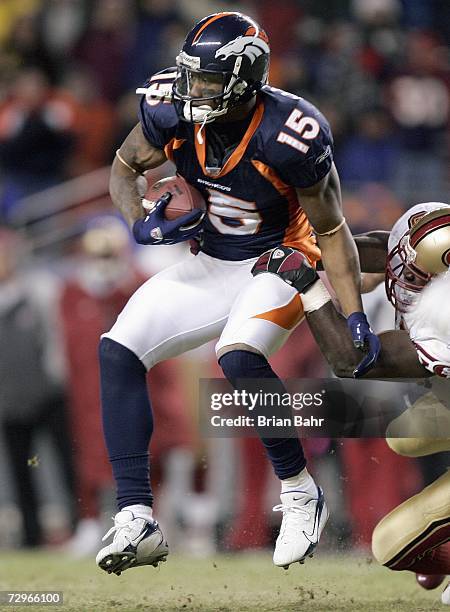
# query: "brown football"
185,198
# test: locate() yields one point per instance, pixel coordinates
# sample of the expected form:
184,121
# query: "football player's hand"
363,339
156,229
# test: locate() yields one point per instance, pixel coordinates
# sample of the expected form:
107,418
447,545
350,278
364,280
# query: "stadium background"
380,72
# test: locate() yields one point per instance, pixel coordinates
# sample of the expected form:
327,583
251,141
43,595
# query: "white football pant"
201,298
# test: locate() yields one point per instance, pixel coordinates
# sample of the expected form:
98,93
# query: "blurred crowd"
378,69
380,72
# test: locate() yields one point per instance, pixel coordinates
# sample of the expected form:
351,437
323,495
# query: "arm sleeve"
158,118
157,122
434,355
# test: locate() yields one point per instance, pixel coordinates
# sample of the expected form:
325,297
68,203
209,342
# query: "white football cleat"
137,541
445,597
304,518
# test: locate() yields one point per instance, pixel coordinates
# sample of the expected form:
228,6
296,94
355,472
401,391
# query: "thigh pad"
290,265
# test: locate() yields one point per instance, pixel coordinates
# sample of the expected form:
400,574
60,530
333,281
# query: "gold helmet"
422,252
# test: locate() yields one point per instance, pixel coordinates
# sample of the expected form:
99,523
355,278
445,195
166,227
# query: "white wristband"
315,297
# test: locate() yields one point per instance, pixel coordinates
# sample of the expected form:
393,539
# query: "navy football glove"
365,339
156,229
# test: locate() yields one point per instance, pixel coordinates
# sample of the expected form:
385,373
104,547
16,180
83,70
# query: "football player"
415,251
415,535
263,159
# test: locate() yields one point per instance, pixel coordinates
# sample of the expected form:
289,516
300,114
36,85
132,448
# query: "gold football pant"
418,525
421,523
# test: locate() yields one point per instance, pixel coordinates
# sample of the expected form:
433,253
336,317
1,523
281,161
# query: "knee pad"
290,265
389,538
403,446
418,447
381,539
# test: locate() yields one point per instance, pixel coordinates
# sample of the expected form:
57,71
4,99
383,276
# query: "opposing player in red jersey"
263,159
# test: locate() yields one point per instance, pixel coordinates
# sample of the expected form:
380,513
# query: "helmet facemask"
422,252
231,91
403,277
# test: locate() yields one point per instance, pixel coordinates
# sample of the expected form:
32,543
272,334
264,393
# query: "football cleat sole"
116,563
301,562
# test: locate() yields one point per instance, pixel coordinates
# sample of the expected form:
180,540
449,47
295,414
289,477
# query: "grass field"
225,583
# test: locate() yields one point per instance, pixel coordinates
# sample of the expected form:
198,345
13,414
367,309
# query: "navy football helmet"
231,52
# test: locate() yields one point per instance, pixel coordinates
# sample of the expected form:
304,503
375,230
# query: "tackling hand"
156,229
363,339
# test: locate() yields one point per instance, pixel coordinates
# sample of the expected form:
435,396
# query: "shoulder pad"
298,139
157,114
158,88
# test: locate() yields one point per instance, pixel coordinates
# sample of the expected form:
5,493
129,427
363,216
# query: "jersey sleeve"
158,117
304,147
434,355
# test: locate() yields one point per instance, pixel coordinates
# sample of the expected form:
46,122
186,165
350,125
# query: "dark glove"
364,339
156,229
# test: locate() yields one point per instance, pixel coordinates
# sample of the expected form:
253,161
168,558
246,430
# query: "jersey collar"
239,151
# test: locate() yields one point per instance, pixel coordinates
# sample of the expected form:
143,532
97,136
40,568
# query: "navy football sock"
286,454
127,421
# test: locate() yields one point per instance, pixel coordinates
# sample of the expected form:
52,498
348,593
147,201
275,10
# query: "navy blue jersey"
252,201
